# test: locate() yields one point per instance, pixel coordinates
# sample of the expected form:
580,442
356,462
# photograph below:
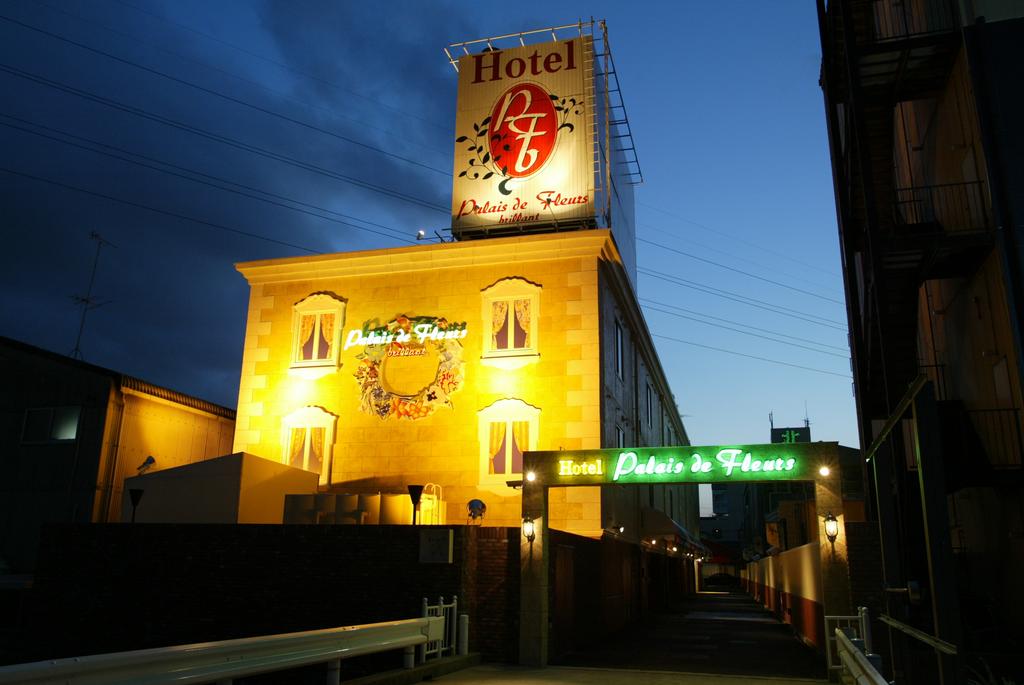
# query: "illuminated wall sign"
716,464
409,367
524,147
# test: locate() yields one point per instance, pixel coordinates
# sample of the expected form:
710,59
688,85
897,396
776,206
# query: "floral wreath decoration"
376,400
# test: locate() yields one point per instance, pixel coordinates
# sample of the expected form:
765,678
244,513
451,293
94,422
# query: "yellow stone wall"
444,280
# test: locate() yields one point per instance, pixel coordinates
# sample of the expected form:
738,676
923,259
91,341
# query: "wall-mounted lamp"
621,529
831,527
531,476
824,471
529,529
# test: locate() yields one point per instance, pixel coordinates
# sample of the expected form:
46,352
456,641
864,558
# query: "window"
620,437
507,429
619,353
510,313
317,323
307,441
50,424
650,407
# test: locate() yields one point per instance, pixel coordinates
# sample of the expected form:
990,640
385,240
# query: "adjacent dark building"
924,108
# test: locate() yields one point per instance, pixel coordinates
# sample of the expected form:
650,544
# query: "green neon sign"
716,464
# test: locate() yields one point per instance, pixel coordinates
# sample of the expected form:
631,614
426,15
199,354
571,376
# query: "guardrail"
935,643
855,663
220,662
860,624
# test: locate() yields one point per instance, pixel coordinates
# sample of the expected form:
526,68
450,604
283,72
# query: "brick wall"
119,587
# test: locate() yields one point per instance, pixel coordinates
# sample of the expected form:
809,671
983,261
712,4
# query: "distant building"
924,108
72,432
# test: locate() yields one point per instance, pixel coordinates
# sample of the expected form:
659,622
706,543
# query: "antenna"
771,420
88,302
807,419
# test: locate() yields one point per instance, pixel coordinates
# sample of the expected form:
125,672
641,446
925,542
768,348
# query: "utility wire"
739,240
395,235
740,271
282,65
743,299
331,111
744,329
743,332
225,140
677,239
229,98
157,210
751,356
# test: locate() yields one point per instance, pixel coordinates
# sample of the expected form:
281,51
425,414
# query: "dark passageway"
720,633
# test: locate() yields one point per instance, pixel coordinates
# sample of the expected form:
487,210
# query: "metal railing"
860,624
857,666
956,207
445,643
220,662
935,643
899,19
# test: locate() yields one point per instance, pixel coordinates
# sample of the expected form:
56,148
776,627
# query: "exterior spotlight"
421,234
653,541
529,529
824,471
831,527
674,548
531,476
622,529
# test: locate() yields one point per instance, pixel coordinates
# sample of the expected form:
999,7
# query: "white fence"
849,649
220,662
445,644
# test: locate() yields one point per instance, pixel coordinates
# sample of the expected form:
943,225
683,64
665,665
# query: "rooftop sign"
685,464
524,146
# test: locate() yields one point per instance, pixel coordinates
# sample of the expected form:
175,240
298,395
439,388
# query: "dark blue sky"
178,130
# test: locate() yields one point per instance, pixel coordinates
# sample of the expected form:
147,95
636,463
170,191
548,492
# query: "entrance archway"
817,462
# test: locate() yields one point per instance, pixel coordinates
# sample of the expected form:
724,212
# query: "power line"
225,140
285,199
334,112
157,210
743,299
676,238
282,65
744,330
229,98
740,271
750,356
739,240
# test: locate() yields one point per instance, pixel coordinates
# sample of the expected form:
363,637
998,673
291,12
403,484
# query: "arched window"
317,321
510,311
507,428
307,441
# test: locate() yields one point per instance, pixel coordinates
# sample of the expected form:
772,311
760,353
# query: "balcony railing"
900,19
955,207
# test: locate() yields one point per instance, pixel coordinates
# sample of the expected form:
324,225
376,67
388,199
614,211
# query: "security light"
529,529
831,527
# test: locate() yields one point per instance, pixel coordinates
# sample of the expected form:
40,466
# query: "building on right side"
925,116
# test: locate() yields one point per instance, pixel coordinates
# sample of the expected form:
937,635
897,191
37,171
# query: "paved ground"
722,634
515,675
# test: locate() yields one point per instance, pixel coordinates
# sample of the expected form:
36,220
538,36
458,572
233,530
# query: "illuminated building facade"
443,363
